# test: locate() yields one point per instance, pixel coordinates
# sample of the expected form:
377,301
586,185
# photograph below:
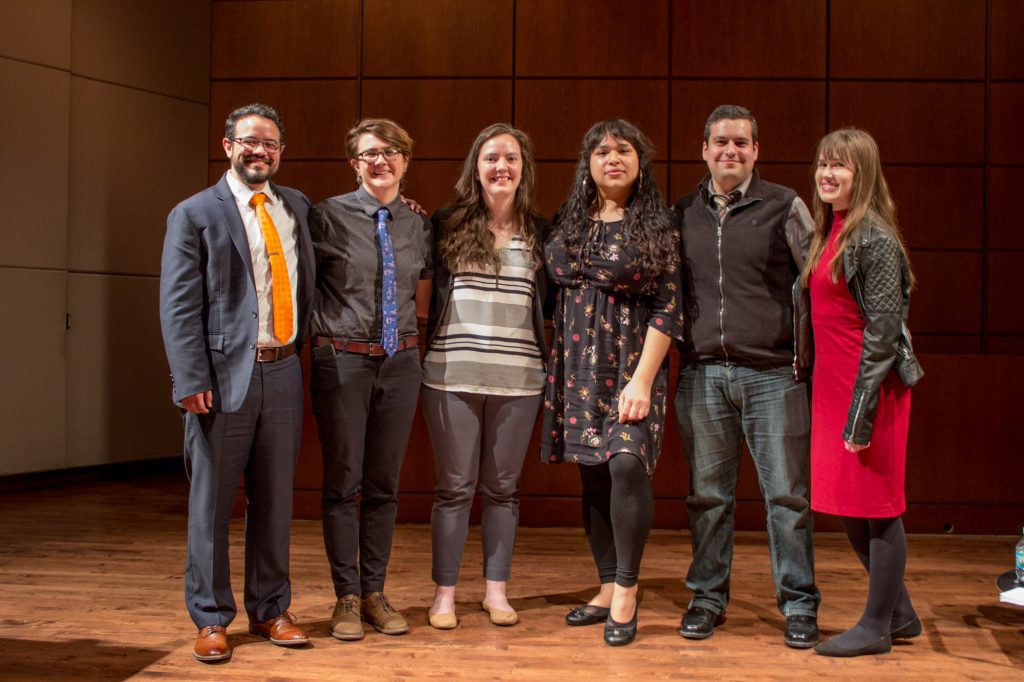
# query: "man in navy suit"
232,343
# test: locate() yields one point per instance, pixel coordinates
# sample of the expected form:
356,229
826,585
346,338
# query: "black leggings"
618,506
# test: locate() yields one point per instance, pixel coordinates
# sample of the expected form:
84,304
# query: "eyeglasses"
371,155
251,143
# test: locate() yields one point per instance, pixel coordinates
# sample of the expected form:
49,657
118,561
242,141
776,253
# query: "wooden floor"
92,588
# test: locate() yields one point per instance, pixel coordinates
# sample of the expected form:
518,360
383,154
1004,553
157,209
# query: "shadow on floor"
77,659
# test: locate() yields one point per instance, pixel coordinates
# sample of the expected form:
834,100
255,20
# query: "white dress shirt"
286,231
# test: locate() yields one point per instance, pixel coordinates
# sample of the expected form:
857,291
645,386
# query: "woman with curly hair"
859,278
483,373
614,253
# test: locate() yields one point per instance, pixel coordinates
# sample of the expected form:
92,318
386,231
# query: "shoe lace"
385,605
348,604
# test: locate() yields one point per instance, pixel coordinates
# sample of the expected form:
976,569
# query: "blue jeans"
719,406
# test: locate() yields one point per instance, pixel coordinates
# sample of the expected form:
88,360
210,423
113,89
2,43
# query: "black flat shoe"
620,634
587,615
699,623
830,648
801,632
908,630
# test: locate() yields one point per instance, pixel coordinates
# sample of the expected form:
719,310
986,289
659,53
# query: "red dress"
867,484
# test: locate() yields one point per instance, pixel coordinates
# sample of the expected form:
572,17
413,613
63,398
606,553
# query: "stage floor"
92,584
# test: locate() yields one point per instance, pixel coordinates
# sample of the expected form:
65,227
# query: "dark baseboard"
961,518
540,511
118,471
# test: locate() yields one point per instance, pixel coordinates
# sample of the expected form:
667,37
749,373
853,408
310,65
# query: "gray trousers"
261,441
483,438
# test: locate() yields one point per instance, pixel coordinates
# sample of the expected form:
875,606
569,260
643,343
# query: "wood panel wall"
937,82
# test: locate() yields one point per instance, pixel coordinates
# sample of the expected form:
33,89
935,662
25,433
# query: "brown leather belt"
362,347
275,353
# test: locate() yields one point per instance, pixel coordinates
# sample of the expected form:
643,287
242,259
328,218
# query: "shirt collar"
742,188
243,193
370,204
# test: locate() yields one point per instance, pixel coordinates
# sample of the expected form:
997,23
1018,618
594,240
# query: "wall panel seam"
138,89
41,65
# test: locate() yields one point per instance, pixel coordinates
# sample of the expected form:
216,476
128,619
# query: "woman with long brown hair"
483,373
859,279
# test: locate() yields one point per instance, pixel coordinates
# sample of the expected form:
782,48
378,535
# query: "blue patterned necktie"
389,289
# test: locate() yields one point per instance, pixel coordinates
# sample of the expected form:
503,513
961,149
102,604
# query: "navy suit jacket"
208,309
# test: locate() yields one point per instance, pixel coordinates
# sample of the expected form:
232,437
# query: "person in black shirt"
373,278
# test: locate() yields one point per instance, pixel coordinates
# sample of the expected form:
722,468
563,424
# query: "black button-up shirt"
348,265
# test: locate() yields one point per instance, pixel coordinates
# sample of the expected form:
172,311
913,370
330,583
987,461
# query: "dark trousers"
261,441
364,408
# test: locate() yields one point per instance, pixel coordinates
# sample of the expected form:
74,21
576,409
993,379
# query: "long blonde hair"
870,200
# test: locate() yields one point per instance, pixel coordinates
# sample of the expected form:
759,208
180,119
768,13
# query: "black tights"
618,507
881,545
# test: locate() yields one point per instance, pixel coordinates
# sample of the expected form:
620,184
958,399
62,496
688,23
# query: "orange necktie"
280,287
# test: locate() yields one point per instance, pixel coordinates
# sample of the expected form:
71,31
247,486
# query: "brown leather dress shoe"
211,644
281,631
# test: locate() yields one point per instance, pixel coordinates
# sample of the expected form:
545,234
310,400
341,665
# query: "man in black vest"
744,242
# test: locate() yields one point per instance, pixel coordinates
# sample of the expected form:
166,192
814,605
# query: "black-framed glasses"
371,155
250,144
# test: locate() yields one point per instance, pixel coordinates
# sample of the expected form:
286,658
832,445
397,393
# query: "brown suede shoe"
211,644
281,631
346,624
378,612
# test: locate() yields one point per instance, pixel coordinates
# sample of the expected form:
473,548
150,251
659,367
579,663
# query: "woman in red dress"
859,279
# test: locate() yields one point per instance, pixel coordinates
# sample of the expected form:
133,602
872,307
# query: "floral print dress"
604,307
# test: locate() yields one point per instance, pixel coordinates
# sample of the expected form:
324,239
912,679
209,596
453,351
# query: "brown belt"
362,347
275,353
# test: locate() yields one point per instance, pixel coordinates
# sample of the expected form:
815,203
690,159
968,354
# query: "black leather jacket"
878,276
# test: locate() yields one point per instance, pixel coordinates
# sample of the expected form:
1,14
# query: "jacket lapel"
236,229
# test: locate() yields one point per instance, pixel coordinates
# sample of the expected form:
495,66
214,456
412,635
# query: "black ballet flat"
620,634
883,645
587,615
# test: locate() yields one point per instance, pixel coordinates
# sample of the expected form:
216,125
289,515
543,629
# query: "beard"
251,175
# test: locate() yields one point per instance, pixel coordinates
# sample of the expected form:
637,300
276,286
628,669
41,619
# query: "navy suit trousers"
261,442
